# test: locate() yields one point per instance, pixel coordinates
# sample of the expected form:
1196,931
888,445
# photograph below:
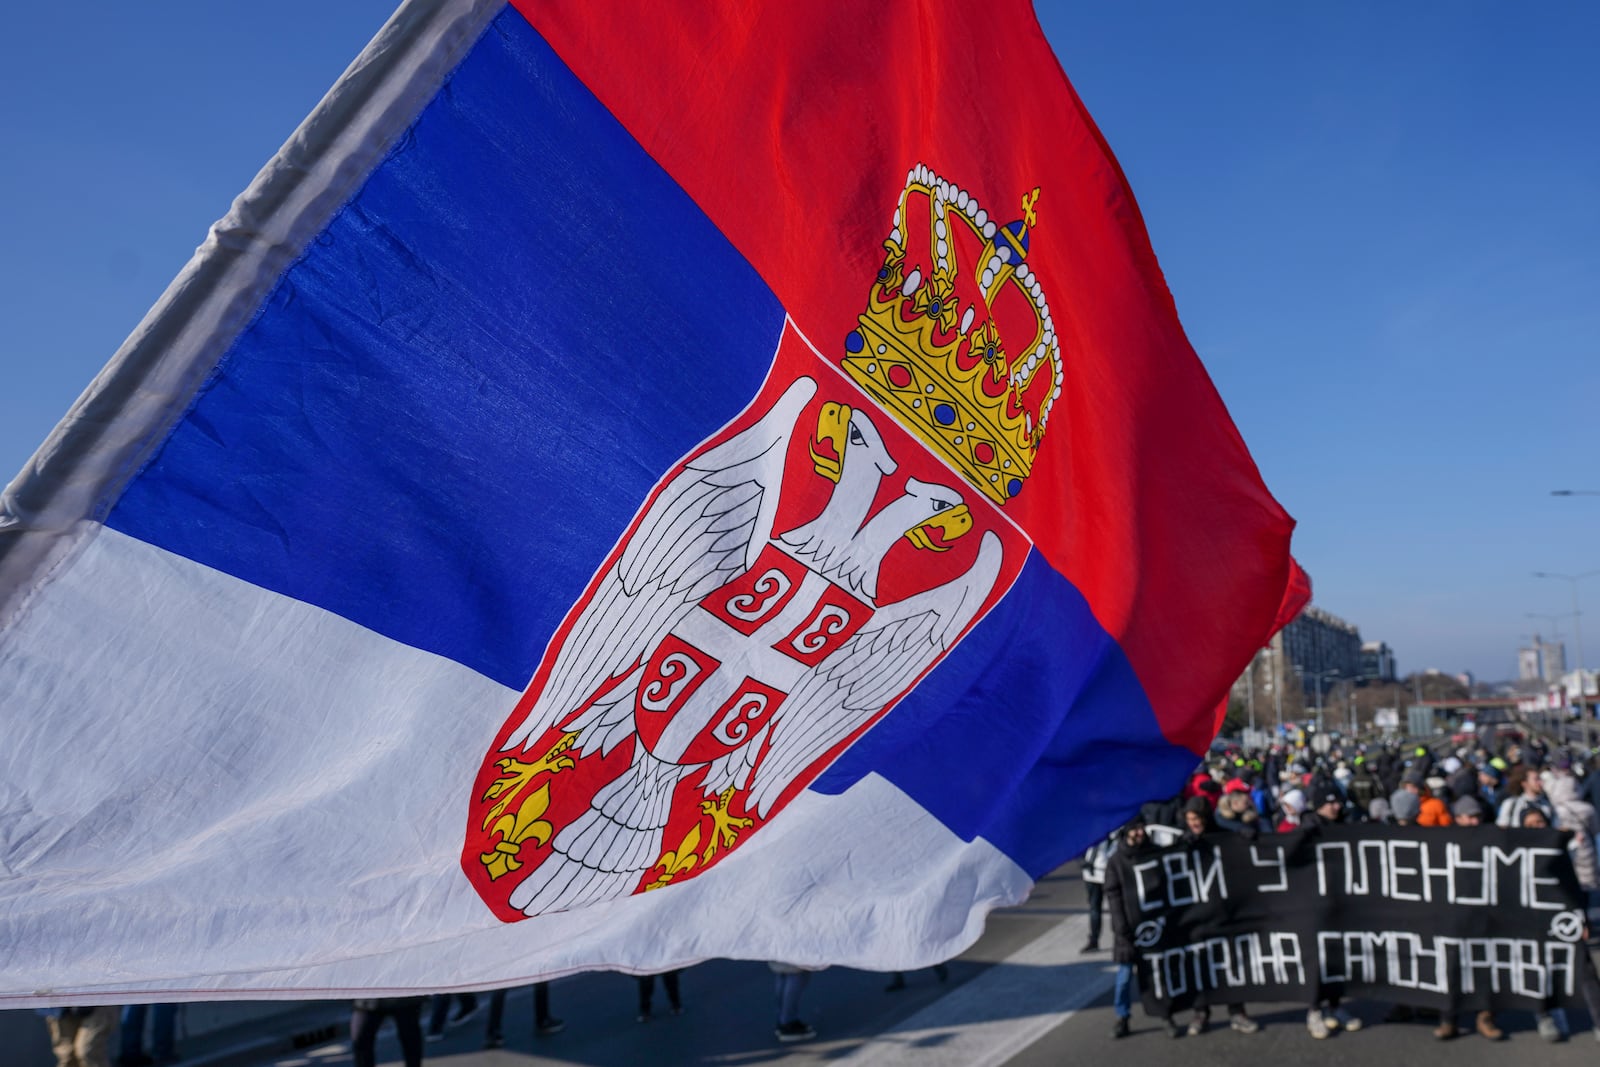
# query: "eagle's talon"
724,827
516,775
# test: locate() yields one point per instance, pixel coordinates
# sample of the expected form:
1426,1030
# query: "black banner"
1458,919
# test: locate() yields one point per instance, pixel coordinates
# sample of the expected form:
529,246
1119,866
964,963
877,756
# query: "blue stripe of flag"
455,401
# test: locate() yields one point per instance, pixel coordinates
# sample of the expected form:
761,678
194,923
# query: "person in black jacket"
1133,844
1326,1014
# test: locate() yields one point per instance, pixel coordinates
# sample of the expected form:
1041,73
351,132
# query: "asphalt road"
1086,1038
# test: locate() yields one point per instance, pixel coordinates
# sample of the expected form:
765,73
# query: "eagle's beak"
940,531
827,447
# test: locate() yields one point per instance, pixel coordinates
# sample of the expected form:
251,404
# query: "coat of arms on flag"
788,581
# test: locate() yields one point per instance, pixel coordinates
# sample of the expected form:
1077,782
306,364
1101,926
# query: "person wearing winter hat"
1404,807
1197,818
1293,803
1236,814
1489,780
1462,779
1329,809
1198,821
1467,810
1133,844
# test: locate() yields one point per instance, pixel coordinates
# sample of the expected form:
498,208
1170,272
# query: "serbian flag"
616,492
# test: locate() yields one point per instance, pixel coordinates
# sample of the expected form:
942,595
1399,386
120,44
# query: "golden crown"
965,359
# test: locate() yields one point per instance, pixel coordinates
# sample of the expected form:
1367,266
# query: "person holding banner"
1133,843
1198,821
1326,1015
1468,811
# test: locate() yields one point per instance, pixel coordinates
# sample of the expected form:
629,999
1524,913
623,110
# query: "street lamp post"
1577,631
1275,666
1331,672
1250,693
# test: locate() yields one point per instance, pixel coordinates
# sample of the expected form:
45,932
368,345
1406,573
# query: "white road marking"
1002,1011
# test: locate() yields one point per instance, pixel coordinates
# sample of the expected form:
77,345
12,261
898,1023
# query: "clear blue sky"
1379,221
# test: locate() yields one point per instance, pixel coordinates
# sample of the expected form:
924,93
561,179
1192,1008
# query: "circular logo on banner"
1568,926
1149,932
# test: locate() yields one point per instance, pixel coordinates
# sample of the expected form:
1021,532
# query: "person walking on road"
1094,883
1326,1015
647,988
1133,844
466,1007
81,1036
544,1024
163,1031
789,982
366,1018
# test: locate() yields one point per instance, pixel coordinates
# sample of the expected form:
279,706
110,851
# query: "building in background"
1542,661
1321,648
1570,681
1530,664
1316,651
1377,662
1555,662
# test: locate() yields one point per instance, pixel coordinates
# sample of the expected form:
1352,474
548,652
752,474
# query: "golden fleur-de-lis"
724,827
515,830
676,861
528,822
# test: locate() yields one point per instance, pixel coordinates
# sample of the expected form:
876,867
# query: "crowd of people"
1508,781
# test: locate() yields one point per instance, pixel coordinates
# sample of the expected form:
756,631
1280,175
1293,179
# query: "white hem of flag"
250,797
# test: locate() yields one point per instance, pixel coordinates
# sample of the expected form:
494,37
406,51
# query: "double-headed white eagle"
705,529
